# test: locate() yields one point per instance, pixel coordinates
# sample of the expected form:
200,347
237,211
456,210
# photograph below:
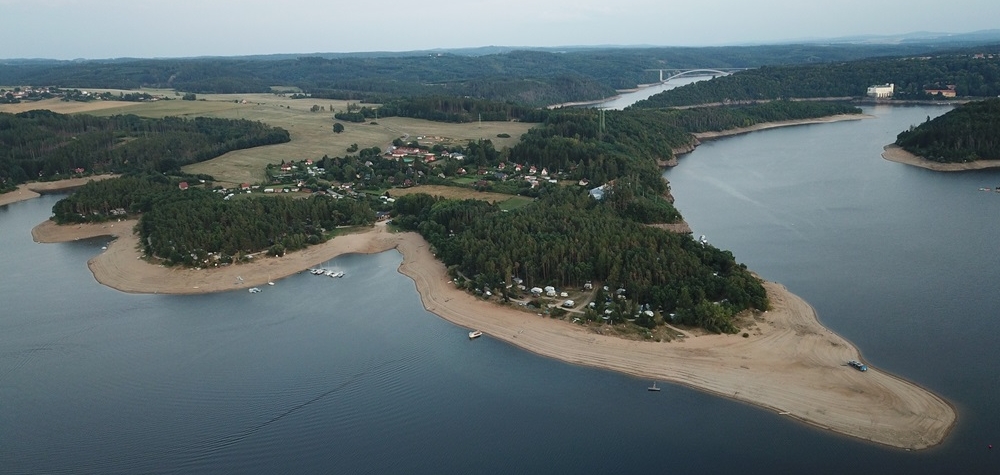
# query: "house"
883,91
183,185
244,186
948,92
501,166
598,193
532,170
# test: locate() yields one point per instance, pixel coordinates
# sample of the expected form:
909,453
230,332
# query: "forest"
529,77
972,76
967,133
44,145
200,227
566,239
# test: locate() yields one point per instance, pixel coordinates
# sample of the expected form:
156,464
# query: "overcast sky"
67,29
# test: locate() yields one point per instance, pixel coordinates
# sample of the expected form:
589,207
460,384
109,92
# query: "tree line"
527,77
972,76
44,145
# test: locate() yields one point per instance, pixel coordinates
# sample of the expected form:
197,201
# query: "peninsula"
789,363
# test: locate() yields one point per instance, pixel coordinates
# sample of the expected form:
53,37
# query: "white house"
881,92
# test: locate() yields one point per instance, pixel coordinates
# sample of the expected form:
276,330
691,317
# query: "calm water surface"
320,375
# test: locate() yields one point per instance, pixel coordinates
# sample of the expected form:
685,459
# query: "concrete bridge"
676,73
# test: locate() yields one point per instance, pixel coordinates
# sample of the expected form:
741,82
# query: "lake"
352,375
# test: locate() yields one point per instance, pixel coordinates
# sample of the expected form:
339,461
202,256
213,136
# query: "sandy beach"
34,189
895,153
781,123
789,363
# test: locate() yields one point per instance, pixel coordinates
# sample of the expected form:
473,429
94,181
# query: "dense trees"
460,109
970,74
106,199
198,227
717,119
967,133
566,239
43,145
525,77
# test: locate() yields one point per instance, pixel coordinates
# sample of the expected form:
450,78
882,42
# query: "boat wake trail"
229,441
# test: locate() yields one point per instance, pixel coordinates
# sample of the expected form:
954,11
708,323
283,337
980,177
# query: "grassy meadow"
507,202
311,132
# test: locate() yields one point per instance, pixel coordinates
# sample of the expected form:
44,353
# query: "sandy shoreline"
895,153
790,363
31,190
781,123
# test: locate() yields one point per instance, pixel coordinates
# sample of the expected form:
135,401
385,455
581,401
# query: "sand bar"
789,363
895,153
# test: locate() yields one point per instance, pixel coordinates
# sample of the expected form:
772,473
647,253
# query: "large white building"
881,92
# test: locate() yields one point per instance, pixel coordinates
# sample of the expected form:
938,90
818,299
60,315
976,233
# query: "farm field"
311,132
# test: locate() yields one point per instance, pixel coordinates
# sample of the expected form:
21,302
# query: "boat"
653,387
254,290
475,334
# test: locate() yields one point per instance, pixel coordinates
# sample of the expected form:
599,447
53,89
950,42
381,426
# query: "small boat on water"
254,290
653,387
475,334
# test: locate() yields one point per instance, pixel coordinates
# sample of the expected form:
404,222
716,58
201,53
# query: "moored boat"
475,334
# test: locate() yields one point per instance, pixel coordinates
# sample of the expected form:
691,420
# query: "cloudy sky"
67,29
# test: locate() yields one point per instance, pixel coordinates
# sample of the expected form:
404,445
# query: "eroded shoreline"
789,363
895,153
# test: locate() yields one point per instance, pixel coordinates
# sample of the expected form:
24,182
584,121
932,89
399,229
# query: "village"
20,94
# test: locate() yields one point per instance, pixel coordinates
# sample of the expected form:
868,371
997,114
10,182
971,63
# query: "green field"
311,132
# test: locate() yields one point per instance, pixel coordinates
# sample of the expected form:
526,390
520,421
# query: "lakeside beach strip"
895,153
790,363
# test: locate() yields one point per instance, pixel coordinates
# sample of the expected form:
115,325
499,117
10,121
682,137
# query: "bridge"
676,73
